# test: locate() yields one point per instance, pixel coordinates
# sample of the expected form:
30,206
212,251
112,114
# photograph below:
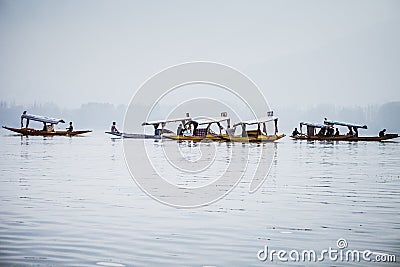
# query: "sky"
301,53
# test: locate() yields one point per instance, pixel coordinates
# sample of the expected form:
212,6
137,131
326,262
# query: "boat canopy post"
265,128
220,128
310,130
276,126
244,133
162,127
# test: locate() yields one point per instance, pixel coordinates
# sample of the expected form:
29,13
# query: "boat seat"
200,132
253,133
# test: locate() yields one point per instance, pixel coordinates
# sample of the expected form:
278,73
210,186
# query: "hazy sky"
298,52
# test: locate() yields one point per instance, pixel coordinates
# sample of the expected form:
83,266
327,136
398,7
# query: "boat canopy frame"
43,119
258,121
311,127
328,122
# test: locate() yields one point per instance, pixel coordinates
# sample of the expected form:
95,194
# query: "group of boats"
192,129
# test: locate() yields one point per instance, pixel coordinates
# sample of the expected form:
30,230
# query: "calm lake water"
72,202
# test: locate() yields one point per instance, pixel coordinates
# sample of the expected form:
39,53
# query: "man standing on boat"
22,120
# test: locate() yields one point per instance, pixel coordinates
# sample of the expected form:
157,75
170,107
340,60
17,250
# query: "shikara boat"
48,129
30,131
258,135
158,132
327,133
353,132
313,135
204,133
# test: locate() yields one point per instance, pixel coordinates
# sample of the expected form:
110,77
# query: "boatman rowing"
114,128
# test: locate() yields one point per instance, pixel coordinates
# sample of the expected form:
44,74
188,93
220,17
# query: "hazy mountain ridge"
98,116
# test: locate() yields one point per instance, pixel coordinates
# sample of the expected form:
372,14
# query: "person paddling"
114,128
70,128
295,132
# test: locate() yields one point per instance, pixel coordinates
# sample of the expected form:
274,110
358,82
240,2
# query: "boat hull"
196,138
30,131
134,136
258,139
321,138
346,138
373,138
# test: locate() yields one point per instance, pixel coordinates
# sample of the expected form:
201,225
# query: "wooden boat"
158,132
30,131
257,135
204,133
353,132
352,135
313,136
48,124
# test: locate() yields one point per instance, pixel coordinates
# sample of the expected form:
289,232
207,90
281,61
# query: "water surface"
72,202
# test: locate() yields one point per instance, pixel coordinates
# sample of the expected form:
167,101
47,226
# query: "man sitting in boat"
382,133
337,132
114,128
70,128
295,132
22,120
180,130
330,131
321,132
350,131
189,125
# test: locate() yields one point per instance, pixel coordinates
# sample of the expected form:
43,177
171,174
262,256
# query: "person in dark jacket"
70,128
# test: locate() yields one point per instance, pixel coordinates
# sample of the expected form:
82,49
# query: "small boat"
353,132
327,133
30,131
205,133
158,133
49,129
257,135
312,135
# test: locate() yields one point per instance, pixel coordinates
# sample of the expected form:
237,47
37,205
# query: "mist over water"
98,116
